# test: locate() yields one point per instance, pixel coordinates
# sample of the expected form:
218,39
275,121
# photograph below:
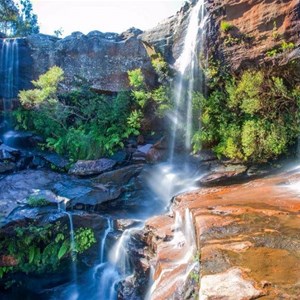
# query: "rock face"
98,59
247,239
257,27
168,36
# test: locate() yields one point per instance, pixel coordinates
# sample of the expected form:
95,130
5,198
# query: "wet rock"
229,285
120,157
6,167
150,152
138,157
123,224
118,177
47,197
145,149
155,155
91,167
223,174
8,152
96,197
55,160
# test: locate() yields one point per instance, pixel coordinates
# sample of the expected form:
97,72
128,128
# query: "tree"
8,16
58,32
27,21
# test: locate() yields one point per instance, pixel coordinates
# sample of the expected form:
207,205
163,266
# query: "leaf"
31,254
63,249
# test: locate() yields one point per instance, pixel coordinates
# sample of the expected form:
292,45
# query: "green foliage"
225,26
35,201
254,118
42,249
136,79
231,41
27,22
162,97
45,89
160,66
84,239
284,47
17,20
8,16
272,52
246,94
81,123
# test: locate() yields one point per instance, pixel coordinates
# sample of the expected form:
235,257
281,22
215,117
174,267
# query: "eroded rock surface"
100,59
247,238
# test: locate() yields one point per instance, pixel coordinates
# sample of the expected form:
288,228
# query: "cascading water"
9,70
187,65
109,229
183,242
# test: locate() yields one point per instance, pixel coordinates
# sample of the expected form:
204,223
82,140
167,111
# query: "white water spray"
9,69
186,64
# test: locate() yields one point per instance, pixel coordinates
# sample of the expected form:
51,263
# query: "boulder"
55,160
118,177
91,167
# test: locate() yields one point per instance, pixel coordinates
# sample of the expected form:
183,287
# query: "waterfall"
9,70
187,64
116,269
108,229
74,295
184,239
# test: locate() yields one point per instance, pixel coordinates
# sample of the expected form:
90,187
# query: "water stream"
9,70
187,66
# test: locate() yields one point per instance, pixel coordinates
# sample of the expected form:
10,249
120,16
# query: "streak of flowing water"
9,70
109,228
186,64
117,268
184,237
74,294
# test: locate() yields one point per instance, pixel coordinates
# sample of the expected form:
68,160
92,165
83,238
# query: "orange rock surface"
250,230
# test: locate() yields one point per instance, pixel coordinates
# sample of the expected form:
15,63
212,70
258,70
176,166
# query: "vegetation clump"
35,201
83,124
225,26
42,249
251,118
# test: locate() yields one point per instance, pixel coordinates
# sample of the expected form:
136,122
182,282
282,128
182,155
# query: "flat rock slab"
91,167
247,238
229,285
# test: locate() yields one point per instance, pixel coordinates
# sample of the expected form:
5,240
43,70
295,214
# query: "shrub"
34,201
81,123
225,26
253,118
42,249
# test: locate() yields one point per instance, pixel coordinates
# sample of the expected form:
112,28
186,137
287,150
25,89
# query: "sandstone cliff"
99,59
256,28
